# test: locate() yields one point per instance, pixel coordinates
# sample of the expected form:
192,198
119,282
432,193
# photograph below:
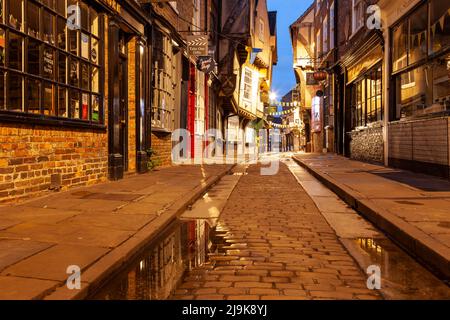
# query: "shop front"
420,89
64,117
364,106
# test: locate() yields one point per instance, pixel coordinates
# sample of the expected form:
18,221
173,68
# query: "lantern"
320,75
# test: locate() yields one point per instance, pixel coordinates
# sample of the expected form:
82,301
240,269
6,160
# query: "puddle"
401,276
158,270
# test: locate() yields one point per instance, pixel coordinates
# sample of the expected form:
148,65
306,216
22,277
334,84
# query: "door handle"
123,122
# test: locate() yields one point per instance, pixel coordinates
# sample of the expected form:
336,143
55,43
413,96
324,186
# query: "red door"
191,108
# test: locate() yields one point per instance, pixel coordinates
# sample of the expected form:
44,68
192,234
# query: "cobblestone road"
276,245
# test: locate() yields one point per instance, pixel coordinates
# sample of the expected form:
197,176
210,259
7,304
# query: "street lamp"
273,96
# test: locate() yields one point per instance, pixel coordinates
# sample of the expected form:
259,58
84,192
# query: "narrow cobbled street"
273,243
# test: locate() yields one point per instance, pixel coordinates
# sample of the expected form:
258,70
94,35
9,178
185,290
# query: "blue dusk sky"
288,12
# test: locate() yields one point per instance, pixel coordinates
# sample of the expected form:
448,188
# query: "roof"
273,22
304,14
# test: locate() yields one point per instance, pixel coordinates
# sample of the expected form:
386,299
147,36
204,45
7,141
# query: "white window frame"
325,35
332,22
357,21
261,30
248,84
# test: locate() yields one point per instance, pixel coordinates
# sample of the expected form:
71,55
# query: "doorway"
123,109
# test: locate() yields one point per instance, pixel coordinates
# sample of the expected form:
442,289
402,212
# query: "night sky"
288,12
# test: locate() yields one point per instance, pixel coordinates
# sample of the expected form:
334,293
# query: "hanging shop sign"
229,85
206,64
197,45
310,80
320,75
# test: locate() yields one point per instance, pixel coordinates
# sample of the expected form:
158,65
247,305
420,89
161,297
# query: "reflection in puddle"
182,247
402,277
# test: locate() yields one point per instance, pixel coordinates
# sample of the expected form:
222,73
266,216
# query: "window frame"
357,4
360,87
58,85
427,61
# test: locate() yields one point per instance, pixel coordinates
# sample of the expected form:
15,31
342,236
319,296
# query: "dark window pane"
418,35
73,41
62,102
73,73
84,46
15,92
400,58
85,106
441,84
85,76
440,25
15,14
84,16
95,108
15,51
2,46
413,93
62,68
62,33
95,80
1,10
61,7
49,63
33,102
2,90
33,56
94,18
33,20
48,28
94,50
49,99
74,104
49,3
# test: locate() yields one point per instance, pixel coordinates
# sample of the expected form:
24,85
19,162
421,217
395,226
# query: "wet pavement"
275,237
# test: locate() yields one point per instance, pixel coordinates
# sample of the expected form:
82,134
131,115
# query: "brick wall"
162,145
30,155
368,144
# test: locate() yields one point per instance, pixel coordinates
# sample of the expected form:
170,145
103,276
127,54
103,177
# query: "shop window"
33,102
33,57
62,71
421,71
62,102
2,46
439,25
163,82
424,90
418,35
15,92
2,90
248,82
15,51
61,33
400,41
15,14
366,98
48,97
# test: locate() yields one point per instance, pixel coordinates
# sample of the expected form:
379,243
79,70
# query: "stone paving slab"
98,228
412,208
